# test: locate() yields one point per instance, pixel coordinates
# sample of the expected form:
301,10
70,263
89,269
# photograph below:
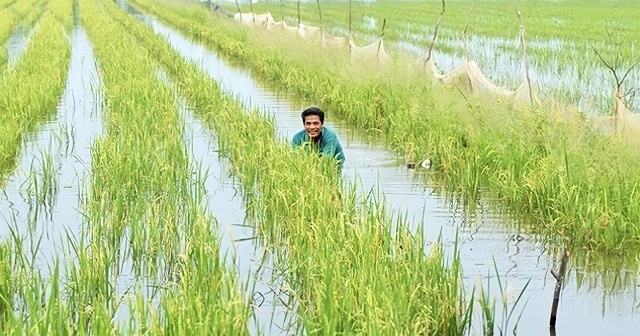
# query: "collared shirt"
327,144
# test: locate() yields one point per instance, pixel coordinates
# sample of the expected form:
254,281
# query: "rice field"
149,188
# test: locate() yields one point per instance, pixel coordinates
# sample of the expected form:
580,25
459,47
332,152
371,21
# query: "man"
317,136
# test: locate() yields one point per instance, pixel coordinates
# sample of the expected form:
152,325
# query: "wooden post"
524,57
282,12
435,35
556,294
467,54
384,23
239,11
349,18
298,13
319,12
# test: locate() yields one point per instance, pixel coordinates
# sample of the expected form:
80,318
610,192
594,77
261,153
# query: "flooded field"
609,301
45,205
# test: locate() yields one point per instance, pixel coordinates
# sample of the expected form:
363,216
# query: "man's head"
313,120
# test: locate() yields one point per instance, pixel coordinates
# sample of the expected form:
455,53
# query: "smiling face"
312,125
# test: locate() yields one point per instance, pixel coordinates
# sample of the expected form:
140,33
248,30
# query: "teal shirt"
328,144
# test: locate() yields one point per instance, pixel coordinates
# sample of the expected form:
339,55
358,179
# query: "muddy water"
592,306
41,200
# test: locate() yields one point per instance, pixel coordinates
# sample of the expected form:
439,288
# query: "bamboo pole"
559,276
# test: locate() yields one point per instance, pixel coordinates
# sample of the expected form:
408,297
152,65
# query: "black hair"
313,110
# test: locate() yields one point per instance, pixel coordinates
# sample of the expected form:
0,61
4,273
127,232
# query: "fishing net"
330,41
309,32
371,52
253,19
623,120
282,25
469,76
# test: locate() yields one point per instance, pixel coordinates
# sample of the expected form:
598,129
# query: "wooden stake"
559,276
282,12
384,23
524,57
298,13
239,10
319,13
467,54
349,18
435,34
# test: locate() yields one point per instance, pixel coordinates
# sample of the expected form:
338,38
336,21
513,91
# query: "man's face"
312,125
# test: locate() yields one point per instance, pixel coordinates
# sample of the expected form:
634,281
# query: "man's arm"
297,140
333,148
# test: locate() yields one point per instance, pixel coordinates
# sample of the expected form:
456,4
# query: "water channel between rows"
41,200
589,307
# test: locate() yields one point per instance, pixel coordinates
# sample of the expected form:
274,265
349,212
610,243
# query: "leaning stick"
435,35
349,18
559,276
384,23
464,35
524,57
319,12
239,10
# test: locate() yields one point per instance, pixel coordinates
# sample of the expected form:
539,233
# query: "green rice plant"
30,92
474,144
144,211
325,247
507,309
6,280
25,14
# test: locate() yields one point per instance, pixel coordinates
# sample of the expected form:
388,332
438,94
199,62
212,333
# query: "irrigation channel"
592,303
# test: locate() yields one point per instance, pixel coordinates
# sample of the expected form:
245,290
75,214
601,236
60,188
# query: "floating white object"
426,164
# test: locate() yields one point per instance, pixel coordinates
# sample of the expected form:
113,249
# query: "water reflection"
485,238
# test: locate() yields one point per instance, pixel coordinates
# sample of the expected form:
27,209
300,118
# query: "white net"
469,76
252,19
309,32
330,41
371,52
282,25
623,120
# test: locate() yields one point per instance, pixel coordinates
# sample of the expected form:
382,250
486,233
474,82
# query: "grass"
551,169
330,247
